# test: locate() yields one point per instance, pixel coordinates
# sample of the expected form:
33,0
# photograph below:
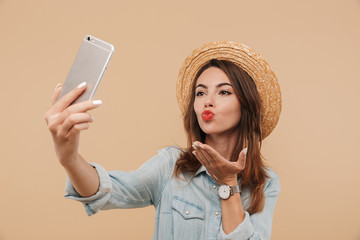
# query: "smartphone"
89,66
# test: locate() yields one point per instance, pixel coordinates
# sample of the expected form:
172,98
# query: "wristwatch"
225,191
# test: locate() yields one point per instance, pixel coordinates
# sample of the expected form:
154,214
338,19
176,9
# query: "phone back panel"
89,66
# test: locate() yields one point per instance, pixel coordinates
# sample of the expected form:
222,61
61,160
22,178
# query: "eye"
223,92
199,93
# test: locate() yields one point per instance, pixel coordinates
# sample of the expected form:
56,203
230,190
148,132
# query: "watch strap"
234,189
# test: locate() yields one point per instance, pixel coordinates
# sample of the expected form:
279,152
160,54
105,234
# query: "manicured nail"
97,102
245,151
58,85
92,118
194,146
198,145
82,84
193,152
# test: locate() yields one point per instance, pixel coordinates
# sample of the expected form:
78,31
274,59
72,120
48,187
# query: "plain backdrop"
312,45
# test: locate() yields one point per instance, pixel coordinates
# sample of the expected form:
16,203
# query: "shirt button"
214,186
187,212
216,213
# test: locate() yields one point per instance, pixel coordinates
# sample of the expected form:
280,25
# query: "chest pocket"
187,209
188,219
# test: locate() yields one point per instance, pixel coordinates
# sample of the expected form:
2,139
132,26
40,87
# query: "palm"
219,167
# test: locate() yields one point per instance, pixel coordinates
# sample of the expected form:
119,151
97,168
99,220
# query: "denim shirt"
186,208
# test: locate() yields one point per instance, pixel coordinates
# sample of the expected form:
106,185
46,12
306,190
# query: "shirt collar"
200,170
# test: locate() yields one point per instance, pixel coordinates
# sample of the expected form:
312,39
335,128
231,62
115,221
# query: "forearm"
232,212
83,176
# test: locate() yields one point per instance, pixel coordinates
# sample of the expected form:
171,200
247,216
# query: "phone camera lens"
88,38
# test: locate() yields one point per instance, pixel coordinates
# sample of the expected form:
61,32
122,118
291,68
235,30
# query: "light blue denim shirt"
185,209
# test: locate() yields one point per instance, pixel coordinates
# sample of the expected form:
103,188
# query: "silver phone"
89,66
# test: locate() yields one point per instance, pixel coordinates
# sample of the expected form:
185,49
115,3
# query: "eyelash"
223,92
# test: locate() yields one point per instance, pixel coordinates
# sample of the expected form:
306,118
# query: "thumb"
242,158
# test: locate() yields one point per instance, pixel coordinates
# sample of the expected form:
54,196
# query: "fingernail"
97,102
92,118
193,152
82,84
201,146
194,146
58,85
245,151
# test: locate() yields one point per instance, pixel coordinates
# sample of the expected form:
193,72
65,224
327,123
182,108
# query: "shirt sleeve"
257,226
119,189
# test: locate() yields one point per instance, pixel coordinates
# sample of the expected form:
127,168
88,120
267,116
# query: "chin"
215,130
211,131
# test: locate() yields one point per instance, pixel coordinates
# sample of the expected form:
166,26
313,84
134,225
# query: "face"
216,105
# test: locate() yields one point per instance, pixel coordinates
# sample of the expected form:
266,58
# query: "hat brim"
247,59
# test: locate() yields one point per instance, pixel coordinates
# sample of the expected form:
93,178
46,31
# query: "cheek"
232,110
197,107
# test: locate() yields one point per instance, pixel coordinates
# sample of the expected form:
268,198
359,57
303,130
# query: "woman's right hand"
65,122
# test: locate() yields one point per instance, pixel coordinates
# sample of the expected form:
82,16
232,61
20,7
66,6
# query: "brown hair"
249,126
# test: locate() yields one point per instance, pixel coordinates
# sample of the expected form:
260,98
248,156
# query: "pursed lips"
207,115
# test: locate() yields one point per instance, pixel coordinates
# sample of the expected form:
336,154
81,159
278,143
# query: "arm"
120,189
232,211
83,176
237,223
65,122
257,226
224,172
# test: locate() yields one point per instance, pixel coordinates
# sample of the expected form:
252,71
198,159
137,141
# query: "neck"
224,144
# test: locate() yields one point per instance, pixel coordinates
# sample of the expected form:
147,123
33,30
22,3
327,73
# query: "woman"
216,188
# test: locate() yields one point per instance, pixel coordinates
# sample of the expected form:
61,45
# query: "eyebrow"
217,86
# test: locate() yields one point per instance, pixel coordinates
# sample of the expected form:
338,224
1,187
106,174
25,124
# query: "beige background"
313,46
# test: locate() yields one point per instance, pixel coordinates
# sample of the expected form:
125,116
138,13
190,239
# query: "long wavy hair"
249,128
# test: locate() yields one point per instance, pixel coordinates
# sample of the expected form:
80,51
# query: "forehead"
212,75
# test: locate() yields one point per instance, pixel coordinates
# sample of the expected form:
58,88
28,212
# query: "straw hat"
243,56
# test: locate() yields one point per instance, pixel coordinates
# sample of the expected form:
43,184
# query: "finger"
77,128
72,120
205,161
69,98
211,152
198,157
209,169
203,148
50,118
202,160
77,108
241,162
83,106
56,94
201,155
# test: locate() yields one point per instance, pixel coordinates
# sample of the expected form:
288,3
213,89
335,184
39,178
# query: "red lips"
207,115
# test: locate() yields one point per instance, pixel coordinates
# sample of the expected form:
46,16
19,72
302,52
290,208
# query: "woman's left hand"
221,169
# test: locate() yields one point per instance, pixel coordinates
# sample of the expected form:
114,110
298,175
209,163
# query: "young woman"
218,186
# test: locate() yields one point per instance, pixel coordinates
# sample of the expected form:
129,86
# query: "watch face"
224,191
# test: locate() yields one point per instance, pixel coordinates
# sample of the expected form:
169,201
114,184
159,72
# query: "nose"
209,101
